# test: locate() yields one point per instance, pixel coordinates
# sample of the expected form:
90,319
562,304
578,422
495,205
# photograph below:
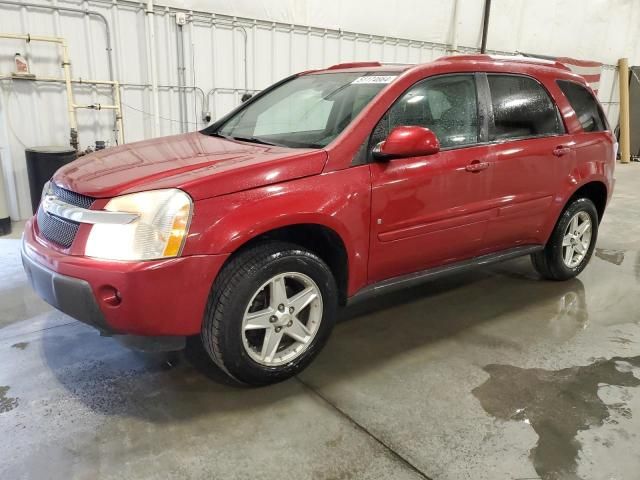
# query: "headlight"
46,189
158,232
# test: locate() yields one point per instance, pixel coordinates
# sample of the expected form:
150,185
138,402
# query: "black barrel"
42,163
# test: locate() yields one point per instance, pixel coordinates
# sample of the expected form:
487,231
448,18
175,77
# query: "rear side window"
521,108
447,105
586,107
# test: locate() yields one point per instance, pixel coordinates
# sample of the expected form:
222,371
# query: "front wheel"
270,312
571,244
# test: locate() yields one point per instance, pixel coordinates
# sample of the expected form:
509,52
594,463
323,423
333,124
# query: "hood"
202,165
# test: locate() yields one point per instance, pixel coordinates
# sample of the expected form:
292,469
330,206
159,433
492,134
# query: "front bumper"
69,295
161,298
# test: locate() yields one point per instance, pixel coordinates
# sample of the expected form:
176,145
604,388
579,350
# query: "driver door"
431,210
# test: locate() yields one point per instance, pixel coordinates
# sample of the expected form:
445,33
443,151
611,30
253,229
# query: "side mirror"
408,141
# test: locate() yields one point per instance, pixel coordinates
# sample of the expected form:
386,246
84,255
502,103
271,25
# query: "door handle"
476,166
561,150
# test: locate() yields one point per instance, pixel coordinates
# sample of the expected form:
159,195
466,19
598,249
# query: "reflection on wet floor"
612,256
557,404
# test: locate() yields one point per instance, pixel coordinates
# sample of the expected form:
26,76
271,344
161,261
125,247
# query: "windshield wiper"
264,142
254,140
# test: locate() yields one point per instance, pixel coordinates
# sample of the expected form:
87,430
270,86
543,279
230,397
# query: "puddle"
6,403
612,256
21,345
557,404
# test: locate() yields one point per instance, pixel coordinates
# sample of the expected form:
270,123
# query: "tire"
248,285
552,262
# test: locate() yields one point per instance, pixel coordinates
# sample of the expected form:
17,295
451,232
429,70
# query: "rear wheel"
270,311
571,244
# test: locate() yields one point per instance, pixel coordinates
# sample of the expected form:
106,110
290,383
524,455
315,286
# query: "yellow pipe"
31,38
119,126
625,140
66,66
93,106
114,84
38,78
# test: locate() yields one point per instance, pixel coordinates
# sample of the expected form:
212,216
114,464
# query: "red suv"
329,186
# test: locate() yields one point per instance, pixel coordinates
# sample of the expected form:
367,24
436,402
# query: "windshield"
308,111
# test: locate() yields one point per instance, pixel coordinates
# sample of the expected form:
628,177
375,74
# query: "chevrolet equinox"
329,186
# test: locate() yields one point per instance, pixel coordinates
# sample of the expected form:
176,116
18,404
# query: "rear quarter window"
589,113
522,108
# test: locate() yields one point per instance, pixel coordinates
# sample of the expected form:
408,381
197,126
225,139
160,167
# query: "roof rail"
400,64
340,66
527,59
508,58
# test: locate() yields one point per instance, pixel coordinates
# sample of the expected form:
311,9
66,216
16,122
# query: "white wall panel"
282,37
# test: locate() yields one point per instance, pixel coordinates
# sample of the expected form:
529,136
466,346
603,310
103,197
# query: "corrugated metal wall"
223,57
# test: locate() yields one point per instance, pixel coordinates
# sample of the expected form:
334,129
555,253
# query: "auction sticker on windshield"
375,79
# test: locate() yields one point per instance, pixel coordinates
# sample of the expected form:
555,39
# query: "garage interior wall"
228,48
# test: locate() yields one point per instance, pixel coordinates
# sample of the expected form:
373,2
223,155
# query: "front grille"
60,230
72,198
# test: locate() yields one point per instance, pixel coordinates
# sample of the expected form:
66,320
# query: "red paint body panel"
427,211
410,141
203,165
337,200
394,217
164,297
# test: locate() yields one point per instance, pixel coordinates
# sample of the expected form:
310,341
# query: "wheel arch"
596,191
320,239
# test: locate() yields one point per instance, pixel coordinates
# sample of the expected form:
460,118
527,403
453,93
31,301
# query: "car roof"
364,67
503,60
480,62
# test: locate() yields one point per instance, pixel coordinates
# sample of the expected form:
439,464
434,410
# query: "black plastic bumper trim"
404,281
72,296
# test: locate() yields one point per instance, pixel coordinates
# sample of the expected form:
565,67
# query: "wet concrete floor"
490,374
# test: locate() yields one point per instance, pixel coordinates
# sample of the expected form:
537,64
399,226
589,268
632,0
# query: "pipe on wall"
153,74
234,26
66,67
107,33
67,80
625,138
182,68
485,25
454,27
192,48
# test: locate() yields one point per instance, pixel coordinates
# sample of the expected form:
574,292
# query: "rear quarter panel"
593,153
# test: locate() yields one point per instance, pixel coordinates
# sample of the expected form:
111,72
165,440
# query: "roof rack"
340,66
400,64
526,59
508,58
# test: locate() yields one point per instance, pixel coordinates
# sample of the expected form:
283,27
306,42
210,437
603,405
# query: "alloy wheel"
282,319
577,239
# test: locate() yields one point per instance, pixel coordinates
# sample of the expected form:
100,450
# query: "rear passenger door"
530,149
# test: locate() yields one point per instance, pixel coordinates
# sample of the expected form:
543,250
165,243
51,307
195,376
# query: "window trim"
603,117
479,112
489,106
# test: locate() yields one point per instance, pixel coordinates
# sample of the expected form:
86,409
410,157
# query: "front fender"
338,200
